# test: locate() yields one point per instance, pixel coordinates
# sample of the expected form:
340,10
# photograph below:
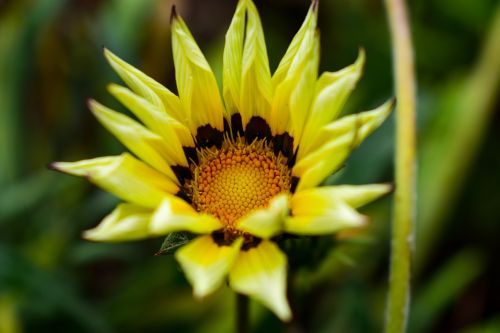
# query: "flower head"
236,170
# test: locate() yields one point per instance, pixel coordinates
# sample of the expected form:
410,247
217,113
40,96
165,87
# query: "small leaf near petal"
173,241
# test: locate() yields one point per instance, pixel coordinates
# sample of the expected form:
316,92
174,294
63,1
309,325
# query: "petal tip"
54,166
360,61
92,235
315,5
173,14
91,104
392,103
110,56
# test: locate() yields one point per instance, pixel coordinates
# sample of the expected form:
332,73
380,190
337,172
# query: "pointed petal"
364,122
256,87
206,263
308,27
354,195
316,213
153,117
196,83
260,272
127,222
148,88
148,146
175,214
316,166
233,54
295,78
266,222
331,93
125,177
334,143
345,218
301,98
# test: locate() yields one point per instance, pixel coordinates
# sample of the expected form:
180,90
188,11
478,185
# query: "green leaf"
173,241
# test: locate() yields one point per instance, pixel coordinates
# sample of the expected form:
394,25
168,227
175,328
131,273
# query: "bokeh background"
51,62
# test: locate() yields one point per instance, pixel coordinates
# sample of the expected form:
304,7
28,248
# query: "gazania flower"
236,170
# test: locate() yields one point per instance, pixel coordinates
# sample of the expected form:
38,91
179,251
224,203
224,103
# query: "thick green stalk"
404,203
241,313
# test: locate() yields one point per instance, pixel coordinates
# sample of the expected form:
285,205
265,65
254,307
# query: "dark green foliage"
53,281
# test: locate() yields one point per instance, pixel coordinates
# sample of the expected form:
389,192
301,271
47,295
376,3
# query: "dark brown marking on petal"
295,182
284,143
236,125
227,129
250,243
220,238
207,136
184,196
257,128
191,154
182,173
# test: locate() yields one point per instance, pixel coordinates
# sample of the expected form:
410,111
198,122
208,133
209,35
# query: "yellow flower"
237,170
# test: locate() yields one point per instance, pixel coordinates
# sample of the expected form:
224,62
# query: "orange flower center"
236,179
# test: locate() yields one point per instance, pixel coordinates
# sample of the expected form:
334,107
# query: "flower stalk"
242,305
405,195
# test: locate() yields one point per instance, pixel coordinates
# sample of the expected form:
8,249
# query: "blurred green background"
51,62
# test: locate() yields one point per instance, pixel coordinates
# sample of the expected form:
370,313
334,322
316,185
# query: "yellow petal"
301,98
153,117
321,225
127,222
304,34
316,166
124,176
206,263
331,93
233,54
295,78
266,222
196,82
364,123
334,143
314,213
148,146
148,88
260,272
354,195
256,87
175,214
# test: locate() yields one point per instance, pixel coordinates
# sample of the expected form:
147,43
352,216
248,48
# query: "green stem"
404,210
241,314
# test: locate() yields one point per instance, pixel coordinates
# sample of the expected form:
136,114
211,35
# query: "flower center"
234,180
